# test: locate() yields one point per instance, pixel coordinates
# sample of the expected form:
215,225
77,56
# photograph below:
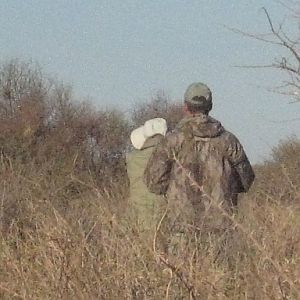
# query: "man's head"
198,98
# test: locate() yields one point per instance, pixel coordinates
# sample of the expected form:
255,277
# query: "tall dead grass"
66,231
82,244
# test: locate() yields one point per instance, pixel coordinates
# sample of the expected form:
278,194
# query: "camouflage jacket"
199,160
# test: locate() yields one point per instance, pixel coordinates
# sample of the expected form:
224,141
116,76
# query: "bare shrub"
20,81
42,123
279,178
160,106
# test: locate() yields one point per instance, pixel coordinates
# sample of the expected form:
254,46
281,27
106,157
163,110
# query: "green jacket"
146,207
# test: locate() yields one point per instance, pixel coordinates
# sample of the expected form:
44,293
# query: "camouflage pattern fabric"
201,168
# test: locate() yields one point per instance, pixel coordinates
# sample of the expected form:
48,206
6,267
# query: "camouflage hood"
200,125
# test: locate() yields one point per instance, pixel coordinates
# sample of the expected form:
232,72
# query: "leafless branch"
281,39
254,66
288,62
259,37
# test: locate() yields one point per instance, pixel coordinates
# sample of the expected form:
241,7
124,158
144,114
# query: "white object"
151,128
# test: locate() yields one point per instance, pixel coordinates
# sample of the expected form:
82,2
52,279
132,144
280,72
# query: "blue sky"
119,52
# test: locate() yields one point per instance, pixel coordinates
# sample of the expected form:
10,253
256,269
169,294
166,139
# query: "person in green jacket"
145,206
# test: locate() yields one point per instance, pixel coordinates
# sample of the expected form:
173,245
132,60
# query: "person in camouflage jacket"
200,166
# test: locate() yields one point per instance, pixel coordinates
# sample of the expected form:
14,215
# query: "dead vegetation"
66,234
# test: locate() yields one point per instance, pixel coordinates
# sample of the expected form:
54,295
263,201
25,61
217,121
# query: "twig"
172,267
12,293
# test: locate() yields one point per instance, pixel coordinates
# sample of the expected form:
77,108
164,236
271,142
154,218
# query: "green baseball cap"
199,94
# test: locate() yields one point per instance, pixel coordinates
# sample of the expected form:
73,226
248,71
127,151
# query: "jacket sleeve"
158,169
241,164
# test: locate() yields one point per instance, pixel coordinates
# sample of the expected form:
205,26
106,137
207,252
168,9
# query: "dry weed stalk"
238,225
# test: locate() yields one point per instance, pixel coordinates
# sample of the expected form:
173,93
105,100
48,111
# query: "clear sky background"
119,52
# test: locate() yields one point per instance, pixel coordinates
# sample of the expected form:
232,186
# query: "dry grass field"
65,232
64,237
